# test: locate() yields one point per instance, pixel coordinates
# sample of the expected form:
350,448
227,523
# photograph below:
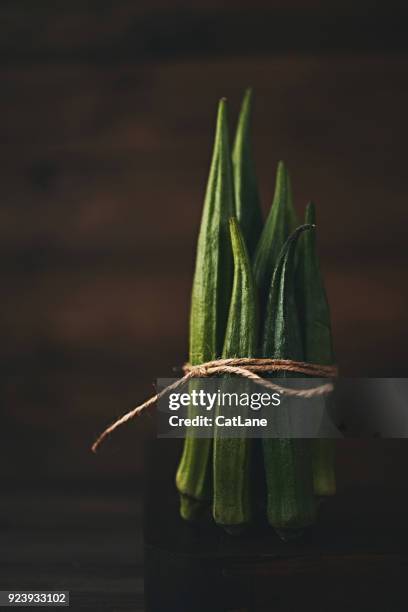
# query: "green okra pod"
314,315
279,223
231,458
288,470
209,308
247,200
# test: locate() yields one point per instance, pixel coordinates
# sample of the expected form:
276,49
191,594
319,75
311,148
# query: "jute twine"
244,367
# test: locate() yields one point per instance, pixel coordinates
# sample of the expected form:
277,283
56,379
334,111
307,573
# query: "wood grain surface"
85,542
89,542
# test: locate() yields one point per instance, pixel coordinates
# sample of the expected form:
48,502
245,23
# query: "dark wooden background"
106,123
106,117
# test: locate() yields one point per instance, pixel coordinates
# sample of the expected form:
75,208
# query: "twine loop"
245,367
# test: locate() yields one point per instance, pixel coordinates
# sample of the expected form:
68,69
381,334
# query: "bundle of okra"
257,292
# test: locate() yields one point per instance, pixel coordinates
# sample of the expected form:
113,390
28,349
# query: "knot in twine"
245,367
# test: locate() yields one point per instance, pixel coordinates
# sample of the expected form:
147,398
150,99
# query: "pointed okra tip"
282,185
282,178
237,240
222,122
289,247
222,111
238,246
310,215
245,110
247,100
281,171
242,134
288,250
298,231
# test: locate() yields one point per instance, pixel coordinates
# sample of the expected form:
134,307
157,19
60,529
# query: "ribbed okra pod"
247,201
280,222
209,308
317,340
288,469
231,457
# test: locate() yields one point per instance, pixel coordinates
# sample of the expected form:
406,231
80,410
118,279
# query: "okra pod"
247,201
288,469
278,225
209,308
317,340
231,459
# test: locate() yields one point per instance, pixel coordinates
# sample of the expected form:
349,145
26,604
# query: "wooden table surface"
88,543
